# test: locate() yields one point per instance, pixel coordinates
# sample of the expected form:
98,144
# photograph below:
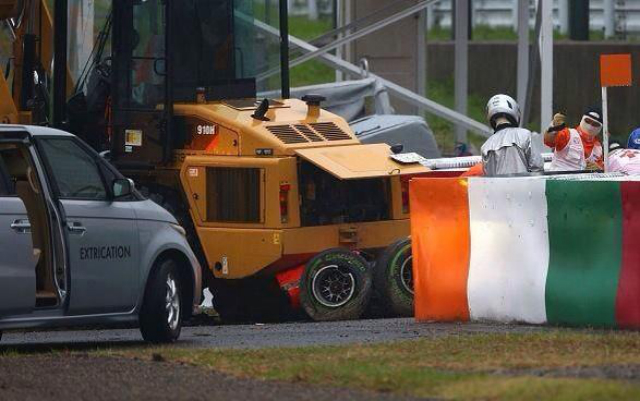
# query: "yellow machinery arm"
8,110
36,19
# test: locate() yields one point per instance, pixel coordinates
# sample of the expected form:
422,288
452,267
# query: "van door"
17,264
102,234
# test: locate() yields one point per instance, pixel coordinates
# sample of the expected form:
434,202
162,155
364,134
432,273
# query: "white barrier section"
509,250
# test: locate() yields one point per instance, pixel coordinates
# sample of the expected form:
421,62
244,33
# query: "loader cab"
168,52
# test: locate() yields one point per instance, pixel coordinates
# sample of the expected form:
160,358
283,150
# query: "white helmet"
503,106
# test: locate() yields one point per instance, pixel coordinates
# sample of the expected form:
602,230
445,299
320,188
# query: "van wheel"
393,278
336,285
161,313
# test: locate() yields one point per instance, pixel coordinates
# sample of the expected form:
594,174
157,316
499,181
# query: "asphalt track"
263,335
31,371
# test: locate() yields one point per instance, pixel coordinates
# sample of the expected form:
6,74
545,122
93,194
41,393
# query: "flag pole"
605,129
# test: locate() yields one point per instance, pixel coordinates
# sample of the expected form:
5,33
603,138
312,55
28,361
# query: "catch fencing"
503,13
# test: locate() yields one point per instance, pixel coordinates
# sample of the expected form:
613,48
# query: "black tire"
351,278
158,322
174,203
393,279
250,300
228,301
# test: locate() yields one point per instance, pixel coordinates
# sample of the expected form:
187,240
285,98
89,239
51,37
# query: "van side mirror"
122,188
106,154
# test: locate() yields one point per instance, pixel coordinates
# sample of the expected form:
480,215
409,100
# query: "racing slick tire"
336,285
161,313
393,279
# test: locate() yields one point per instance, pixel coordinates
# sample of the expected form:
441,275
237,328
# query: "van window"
74,170
233,195
6,184
13,167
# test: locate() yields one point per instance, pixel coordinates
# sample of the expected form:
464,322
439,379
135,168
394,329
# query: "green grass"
478,366
480,32
311,72
444,131
488,33
307,29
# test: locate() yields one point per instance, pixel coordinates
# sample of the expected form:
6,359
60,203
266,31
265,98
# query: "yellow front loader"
282,203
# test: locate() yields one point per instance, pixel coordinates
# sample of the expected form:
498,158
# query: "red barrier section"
628,297
440,237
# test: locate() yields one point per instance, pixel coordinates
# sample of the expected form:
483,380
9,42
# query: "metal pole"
515,16
609,18
546,63
523,53
312,9
422,53
578,19
453,14
605,128
284,49
534,66
267,11
431,16
461,69
338,10
563,14
60,63
170,6
347,49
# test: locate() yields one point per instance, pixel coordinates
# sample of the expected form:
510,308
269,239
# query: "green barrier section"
585,239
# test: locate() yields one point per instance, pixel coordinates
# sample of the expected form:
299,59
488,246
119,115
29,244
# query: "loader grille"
308,132
287,134
330,131
305,133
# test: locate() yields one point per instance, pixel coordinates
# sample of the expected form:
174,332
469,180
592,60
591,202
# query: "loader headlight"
179,229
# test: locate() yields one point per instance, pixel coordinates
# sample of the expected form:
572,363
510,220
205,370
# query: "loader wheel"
336,285
228,301
161,313
250,300
393,278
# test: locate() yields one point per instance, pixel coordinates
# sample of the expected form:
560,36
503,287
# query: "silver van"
80,246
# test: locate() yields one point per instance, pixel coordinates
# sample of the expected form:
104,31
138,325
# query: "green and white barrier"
535,250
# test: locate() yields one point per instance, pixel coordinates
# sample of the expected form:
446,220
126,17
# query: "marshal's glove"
592,166
558,123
